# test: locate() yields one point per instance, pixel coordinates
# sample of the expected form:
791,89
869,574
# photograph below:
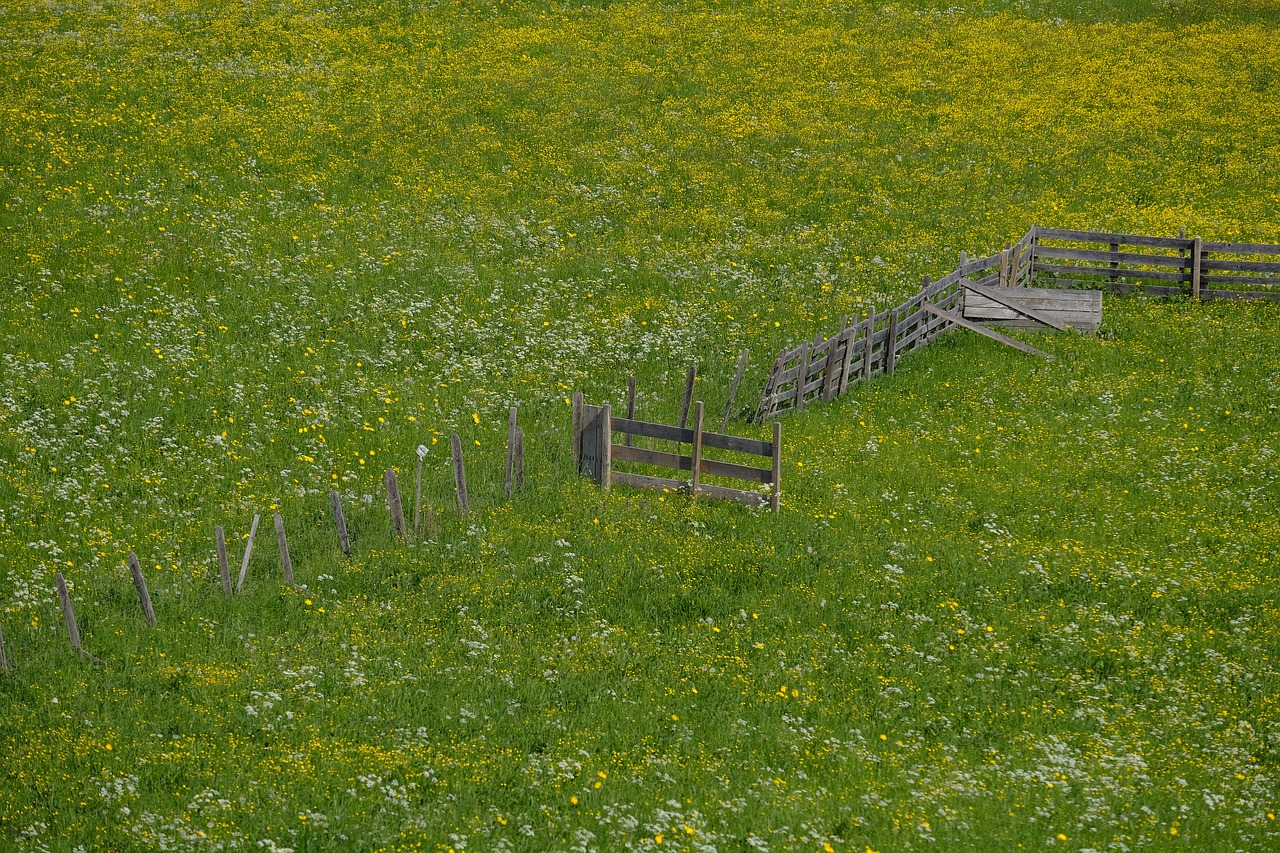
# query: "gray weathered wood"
140,584
1107,237
712,467
1197,254
1242,248
687,400
1230,264
593,456
631,404
1004,266
248,552
421,453
1018,302
68,614
1115,263
577,431
983,330
733,391
286,564
459,475
519,459
1113,258
662,432
645,481
866,351
695,471
775,490
224,569
606,446
1105,272
802,377
4,660
891,344
398,527
511,450
340,521
847,364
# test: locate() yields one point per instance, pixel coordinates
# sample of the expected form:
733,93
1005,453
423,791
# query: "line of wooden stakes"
421,521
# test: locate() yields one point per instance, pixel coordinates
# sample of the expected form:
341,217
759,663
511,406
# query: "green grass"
1012,603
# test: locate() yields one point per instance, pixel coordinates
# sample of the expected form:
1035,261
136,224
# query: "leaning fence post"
688,395
140,584
519,459
606,444
891,344
1197,248
803,377
733,391
393,504
224,570
695,471
285,563
4,661
829,367
511,449
340,520
459,475
248,550
68,615
775,494
871,339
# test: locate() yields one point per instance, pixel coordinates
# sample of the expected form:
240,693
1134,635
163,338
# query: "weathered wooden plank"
726,494
1023,302
1111,257
980,265
248,552
1043,234
644,481
680,462
394,507
891,343
459,476
804,373
1240,279
850,349
869,338
995,336
340,521
1153,275
648,430
1242,248
1197,255
1239,266
68,612
696,470
829,370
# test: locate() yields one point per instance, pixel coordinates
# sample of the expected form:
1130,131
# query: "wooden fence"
595,455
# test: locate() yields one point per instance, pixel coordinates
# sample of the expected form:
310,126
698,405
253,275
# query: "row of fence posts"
514,483
686,399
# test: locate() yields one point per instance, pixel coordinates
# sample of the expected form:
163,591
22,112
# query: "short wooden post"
871,338
695,471
1115,265
140,584
1197,250
804,375
511,450
4,661
964,259
606,444
417,490
688,395
577,431
631,405
891,344
285,563
224,570
733,392
248,550
459,475
341,521
393,504
68,615
519,459
775,492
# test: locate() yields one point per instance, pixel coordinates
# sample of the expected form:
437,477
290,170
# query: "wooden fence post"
393,504
417,489
923,319
224,570
803,377
4,661
1197,249
519,459
770,388
851,337
459,475
606,443
733,392
248,550
695,471
631,405
140,584
829,368
775,493
68,615
891,344
871,337
688,395
285,563
340,521
511,450
577,432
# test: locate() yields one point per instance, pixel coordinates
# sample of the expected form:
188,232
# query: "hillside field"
254,251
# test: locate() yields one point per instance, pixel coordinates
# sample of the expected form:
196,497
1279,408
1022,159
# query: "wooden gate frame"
595,452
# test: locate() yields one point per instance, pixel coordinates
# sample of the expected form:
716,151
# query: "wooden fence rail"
597,455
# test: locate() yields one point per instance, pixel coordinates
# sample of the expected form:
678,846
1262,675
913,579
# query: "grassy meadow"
255,251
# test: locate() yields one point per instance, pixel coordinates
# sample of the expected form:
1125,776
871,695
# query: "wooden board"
1079,309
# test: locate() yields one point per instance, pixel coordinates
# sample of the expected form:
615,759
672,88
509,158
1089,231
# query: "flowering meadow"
253,251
